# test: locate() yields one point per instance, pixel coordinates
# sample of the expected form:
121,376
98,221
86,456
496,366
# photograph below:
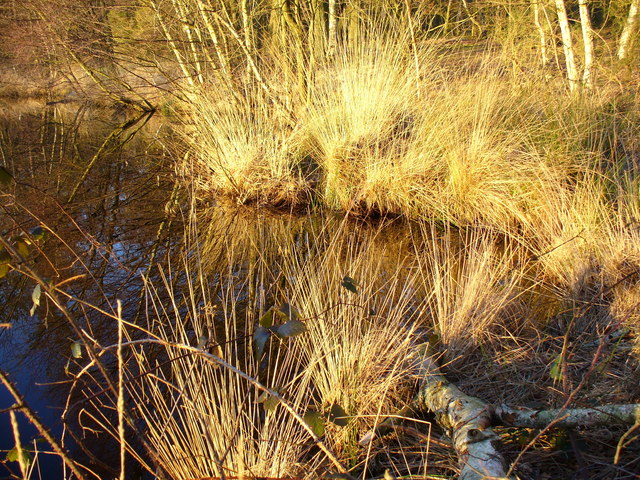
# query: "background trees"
124,46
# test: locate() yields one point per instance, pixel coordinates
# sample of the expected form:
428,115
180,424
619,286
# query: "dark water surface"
96,182
99,186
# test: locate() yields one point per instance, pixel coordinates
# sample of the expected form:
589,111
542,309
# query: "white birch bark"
468,420
629,29
333,21
246,26
184,17
213,36
172,44
569,417
587,38
544,56
567,43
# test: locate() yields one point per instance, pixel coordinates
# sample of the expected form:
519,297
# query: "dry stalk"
215,360
33,418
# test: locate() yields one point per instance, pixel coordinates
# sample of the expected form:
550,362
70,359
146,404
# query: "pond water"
95,181
98,186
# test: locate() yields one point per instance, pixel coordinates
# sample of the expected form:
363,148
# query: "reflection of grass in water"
472,293
469,291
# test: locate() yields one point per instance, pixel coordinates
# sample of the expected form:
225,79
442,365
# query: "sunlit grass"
241,150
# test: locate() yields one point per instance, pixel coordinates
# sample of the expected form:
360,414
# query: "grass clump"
383,126
350,365
240,150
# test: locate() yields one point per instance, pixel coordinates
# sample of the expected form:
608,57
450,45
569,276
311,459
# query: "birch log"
569,417
537,7
467,418
333,22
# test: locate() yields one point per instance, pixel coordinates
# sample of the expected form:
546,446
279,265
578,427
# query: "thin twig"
36,422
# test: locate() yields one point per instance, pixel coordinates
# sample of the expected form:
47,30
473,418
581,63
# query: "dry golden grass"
371,134
241,150
202,420
475,284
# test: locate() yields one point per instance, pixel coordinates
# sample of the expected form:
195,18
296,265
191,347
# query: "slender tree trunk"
187,27
246,26
587,37
172,43
333,22
544,56
567,43
223,62
629,29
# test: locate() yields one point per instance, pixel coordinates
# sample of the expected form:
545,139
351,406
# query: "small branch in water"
36,422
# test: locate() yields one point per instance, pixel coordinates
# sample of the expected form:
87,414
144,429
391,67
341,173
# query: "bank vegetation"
503,136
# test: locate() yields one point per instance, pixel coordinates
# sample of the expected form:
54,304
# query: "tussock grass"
207,421
357,347
385,127
241,150
202,420
475,284
359,118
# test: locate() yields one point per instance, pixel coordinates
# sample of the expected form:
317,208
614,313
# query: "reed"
207,421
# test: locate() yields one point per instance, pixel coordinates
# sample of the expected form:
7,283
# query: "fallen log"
569,417
469,420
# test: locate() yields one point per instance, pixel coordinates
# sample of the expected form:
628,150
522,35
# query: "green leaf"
556,368
35,297
289,311
272,316
290,329
5,177
315,421
271,403
260,338
338,416
12,456
267,319
4,269
76,349
22,248
350,284
5,258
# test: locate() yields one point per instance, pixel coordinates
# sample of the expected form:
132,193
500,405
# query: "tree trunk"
544,56
629,28
567,43
468,420
587,37
333,22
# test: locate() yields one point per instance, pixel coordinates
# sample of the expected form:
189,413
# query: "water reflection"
96,181
101,185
